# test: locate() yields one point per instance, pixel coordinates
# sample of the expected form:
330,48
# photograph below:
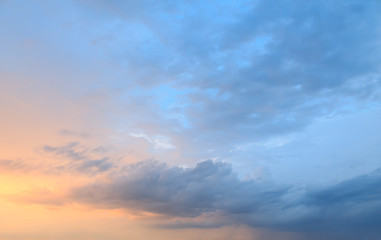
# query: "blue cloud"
286,65
236,71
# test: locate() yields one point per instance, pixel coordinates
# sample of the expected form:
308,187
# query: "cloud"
67,151
351,204
212,193
250,70
78,158
14,165
235,72
155,187
159,142
66,132
72,157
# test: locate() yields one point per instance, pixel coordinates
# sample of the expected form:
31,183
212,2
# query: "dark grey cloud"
155,187
347,210
352,204
213,189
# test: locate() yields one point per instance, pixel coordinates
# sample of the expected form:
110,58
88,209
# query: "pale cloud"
160,142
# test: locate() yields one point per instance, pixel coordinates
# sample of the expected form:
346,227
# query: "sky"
210,120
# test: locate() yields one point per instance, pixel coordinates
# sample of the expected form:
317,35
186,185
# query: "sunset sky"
207,120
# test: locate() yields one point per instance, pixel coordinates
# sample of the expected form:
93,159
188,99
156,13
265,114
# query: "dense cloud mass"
349,207
153,186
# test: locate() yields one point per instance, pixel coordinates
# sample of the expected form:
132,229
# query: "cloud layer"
211,189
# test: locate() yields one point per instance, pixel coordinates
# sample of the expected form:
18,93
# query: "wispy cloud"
77,158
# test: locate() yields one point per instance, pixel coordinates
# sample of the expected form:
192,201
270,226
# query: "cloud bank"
212,189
